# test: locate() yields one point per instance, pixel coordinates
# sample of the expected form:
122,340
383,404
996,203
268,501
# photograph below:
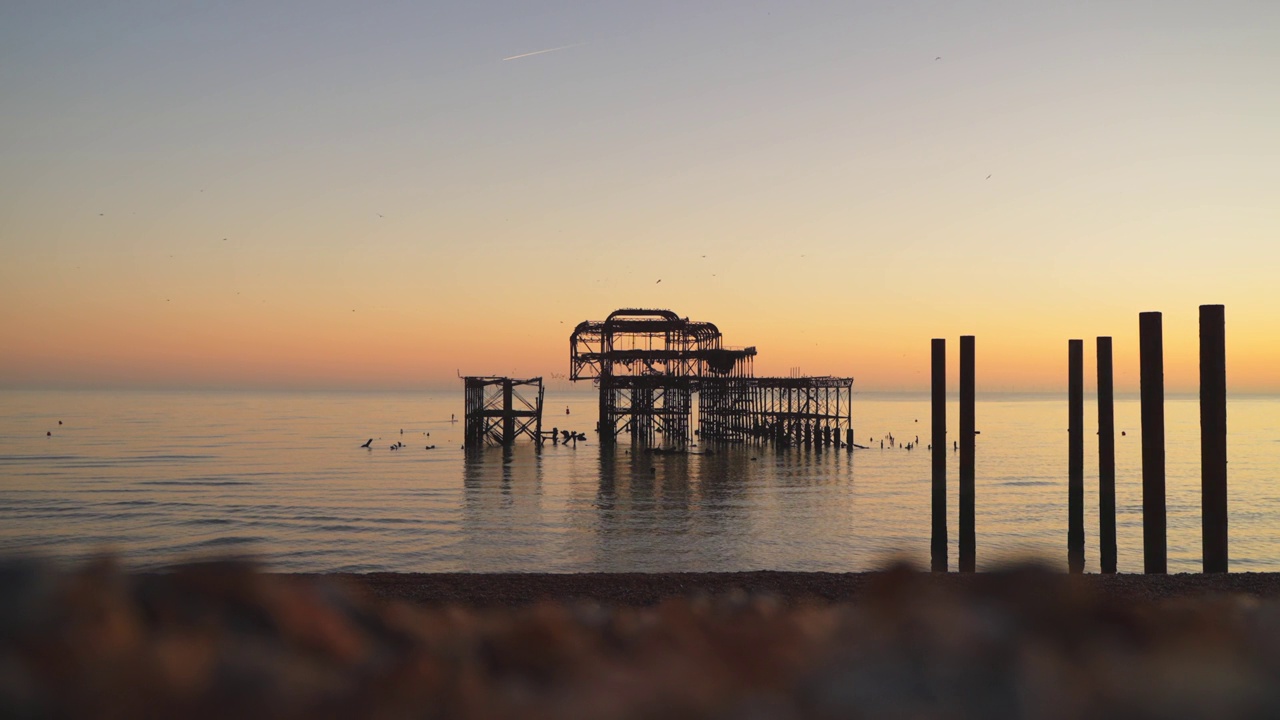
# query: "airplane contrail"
539,52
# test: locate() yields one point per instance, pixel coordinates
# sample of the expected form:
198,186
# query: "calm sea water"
162,477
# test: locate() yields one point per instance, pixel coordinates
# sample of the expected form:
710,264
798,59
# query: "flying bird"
540,52
659,280
988,177
367,443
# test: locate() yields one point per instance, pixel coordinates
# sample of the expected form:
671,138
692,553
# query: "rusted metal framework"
650,365
788,411
634,342
498,411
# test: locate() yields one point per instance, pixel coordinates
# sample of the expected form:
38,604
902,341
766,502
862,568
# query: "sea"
157,478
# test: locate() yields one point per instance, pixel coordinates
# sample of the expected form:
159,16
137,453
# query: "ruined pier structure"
658,371
498,411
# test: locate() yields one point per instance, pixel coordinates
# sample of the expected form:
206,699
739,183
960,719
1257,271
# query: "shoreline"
645,589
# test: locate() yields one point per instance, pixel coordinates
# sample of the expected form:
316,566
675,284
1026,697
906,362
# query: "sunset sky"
351,195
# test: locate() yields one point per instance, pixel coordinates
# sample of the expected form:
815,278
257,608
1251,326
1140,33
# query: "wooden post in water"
1154,537
508,419
1213,436
968,538
938,542
1075,456
1106,458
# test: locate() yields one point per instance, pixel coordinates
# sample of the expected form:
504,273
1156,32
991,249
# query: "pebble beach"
222,639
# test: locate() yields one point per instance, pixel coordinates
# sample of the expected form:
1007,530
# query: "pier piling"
1154,536
1075,456
1213,437
1106,458
968,539
938,541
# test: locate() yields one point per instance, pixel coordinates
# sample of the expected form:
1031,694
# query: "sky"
385,195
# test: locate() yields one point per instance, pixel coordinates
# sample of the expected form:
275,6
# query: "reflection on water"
160,476
738,507
502,508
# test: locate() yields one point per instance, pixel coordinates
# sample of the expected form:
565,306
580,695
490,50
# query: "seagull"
659,280
367,444
938,58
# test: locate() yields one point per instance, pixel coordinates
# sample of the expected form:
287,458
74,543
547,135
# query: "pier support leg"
1213,436
1154,537
1106,458
508,420
968,537
938,541
1075,456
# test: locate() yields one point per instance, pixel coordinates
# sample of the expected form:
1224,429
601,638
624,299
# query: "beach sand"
227,640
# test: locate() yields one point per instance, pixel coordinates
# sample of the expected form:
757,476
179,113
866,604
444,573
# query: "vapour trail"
539,52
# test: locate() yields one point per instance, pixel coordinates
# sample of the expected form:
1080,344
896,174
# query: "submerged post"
968,539
938,541
1213,436
1075,456
1151,349
1106,458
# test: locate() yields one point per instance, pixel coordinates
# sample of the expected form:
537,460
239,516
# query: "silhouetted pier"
655,368
498,411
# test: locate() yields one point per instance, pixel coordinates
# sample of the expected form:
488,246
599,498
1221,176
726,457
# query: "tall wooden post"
1075,453
968,539
1154,537
1213,436
508,419
1106,458
938,543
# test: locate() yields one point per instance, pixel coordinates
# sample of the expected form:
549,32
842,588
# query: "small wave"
215,482
166,458
220,542
16,459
